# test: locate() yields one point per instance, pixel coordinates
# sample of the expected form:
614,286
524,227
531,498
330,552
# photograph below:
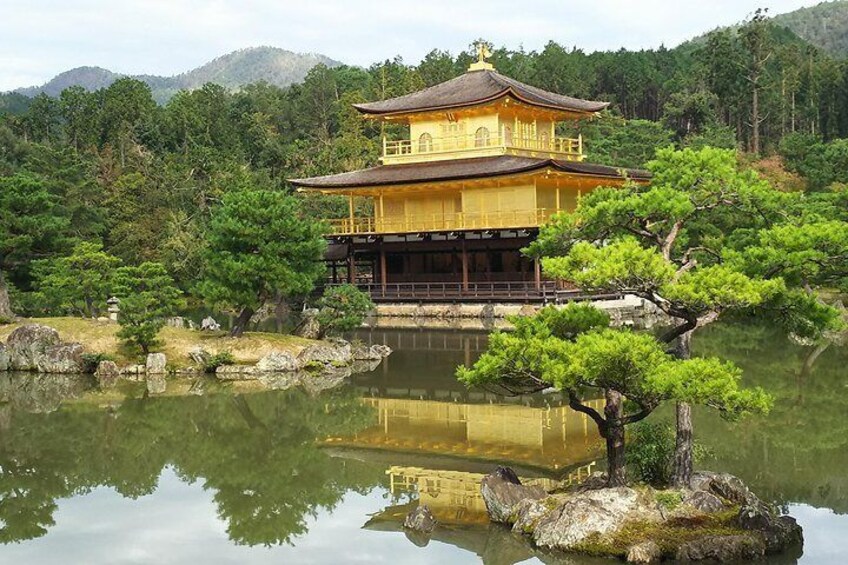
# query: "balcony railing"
569,148
442,222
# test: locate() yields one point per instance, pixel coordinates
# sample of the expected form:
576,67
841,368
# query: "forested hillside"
824,25
114,166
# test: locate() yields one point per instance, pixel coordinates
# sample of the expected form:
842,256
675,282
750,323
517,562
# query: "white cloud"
40,38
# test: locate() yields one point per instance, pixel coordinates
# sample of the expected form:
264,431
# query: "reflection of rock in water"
41,393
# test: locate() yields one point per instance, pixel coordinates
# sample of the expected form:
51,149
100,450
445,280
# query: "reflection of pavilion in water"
547,437
454,496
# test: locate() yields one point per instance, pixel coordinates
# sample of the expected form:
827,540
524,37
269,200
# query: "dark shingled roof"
457,169
477,87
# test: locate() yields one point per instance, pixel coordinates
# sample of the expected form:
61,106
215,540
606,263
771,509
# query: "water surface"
240,474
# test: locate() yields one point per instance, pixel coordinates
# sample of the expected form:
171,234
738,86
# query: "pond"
242,475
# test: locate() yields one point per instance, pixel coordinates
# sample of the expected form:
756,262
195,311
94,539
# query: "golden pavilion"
455,201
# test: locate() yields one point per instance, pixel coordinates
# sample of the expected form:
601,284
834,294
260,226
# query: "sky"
41,38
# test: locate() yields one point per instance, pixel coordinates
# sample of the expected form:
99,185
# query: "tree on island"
665,244
260,247
148,298
574,351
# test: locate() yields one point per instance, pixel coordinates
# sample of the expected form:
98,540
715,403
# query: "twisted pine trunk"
241,322
614,435
683,459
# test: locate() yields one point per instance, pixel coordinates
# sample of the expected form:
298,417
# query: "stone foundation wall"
627,311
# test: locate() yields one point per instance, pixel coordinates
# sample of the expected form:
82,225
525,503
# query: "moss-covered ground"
175,343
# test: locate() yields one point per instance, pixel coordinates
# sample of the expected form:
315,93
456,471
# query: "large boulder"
331,352
63,358
156,364
778,532
277,362
4,359
743,547
528,512
420,520
502,491
107,373
581,515
27,344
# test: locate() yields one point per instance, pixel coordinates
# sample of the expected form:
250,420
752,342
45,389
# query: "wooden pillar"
351,265
537,273
335,272
350,211
383,269
464,267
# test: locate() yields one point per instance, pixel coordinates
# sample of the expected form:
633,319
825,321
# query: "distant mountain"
824,25
236,69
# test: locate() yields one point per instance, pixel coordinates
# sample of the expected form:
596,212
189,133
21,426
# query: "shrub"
650,454
342,308
219,359
90,361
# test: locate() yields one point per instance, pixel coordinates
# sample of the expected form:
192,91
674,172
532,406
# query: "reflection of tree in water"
256,452
799,452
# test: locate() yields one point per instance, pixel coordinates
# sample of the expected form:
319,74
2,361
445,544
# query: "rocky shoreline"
38,348
717,519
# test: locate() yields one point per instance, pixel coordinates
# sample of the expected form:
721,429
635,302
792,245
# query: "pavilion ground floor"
457,267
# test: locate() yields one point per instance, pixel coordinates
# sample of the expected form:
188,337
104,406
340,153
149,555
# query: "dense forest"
115,167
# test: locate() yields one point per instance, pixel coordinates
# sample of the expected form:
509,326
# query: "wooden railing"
442,222
514,291
569,147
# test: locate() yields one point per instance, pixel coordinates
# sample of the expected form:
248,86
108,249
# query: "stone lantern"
113,308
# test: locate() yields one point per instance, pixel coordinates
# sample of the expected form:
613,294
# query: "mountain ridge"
232,70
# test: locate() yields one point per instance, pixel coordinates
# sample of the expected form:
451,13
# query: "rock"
155,383
236,372
704,501
645,552
4,359
64,358
744,547
593,512
107,373
176,322
528,512
377,352
330,352
155,364
276,362
420,520
731,488
208,324
595,481
199,356
133,372
27,344
308,326
502,491
778,533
